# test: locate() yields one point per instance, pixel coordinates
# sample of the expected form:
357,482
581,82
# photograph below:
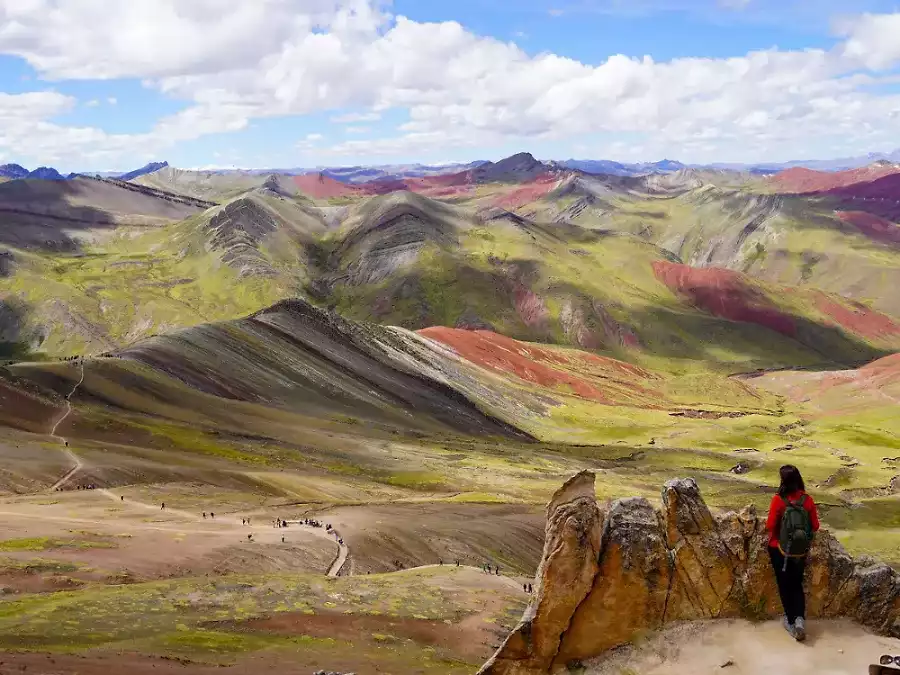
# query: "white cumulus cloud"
232,61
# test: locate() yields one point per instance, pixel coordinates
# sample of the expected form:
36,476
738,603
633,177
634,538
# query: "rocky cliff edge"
611,573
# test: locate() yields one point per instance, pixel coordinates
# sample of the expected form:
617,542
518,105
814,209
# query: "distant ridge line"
154,192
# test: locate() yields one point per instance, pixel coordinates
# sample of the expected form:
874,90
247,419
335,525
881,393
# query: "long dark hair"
791,481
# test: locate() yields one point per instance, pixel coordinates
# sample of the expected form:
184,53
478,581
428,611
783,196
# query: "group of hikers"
211,515
89,486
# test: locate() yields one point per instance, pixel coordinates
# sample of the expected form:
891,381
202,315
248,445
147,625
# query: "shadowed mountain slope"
50,215
291,357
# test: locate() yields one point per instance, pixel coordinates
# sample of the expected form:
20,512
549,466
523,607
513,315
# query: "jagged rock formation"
7,263
609,573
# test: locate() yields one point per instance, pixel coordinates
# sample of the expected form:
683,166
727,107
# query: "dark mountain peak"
519,167
669,165
144,170
45,173
13,171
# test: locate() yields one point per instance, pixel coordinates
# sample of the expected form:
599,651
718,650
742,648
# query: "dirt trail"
743,648
343,549
78,463
338,563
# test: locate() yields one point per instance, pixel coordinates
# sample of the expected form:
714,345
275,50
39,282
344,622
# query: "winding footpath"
343,550
78,464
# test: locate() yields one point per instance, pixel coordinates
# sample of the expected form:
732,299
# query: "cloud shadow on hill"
697,336
38,214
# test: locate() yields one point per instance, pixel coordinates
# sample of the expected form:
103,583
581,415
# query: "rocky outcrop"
608,575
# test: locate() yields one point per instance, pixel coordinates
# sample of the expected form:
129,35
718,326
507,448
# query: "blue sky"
89,86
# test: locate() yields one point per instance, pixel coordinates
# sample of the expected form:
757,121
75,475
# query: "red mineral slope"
320,186
597,378
839,392
527,192
857,318
802,181
724,293
889,366
873,226
884,188
878,197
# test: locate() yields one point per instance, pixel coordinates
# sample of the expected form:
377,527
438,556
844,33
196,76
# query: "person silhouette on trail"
122,498
250,537
163,507
792,523
204,515
212,515
282,539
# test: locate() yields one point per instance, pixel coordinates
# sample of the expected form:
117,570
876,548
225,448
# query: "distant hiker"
163,507
243,521
441,562
250,537
525,588
792,524
204,515
212,515
282,539
498,570
530,588
457,563
122,498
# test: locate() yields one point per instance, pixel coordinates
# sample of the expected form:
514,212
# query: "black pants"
790,584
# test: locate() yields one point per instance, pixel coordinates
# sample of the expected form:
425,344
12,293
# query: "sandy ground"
148,542
743,648
511,536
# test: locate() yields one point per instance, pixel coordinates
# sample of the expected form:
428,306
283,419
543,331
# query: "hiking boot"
789,627
800,629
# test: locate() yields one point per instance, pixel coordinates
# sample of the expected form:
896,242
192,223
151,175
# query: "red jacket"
777,509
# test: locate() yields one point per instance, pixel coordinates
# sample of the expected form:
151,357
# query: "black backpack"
796,529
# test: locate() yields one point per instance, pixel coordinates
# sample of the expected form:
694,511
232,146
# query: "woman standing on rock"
792,523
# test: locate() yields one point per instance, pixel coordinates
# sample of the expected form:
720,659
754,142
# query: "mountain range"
418,358
365,174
